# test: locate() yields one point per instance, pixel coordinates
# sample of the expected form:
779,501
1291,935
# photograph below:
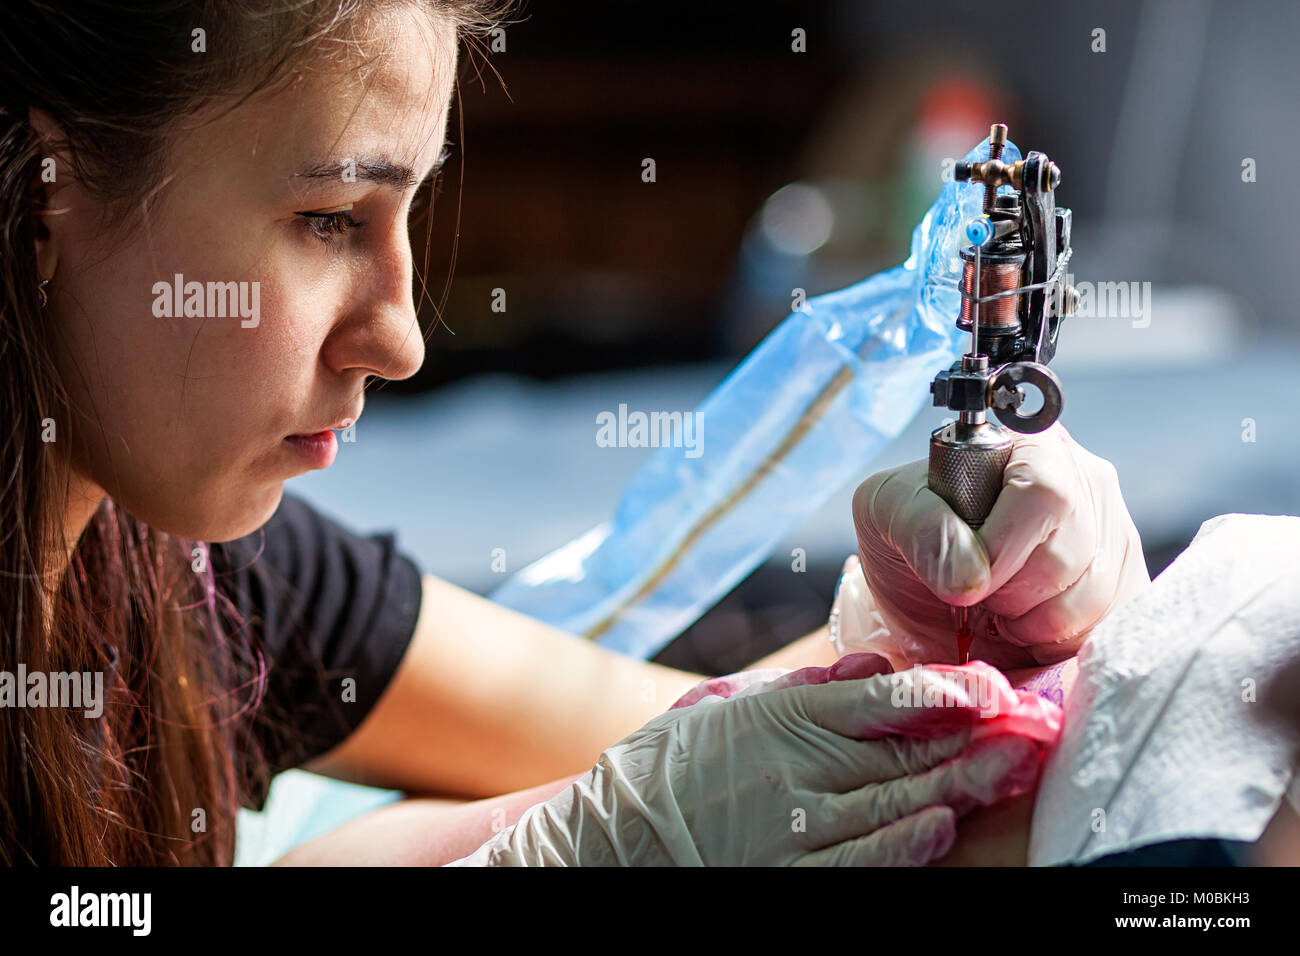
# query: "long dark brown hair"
156,779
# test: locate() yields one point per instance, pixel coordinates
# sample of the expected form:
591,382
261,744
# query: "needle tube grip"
966,465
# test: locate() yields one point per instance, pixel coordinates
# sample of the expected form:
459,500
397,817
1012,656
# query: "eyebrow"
374,169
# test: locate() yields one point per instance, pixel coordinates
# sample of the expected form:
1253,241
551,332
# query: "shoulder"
305,571
330,610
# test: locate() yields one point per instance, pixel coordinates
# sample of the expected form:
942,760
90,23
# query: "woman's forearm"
420,831
489,701
811,650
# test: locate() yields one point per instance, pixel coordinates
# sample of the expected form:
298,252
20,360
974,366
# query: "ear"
52,174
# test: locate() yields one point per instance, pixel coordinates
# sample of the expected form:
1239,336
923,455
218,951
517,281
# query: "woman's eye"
328,226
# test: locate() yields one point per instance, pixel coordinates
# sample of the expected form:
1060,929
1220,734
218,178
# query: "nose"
381,334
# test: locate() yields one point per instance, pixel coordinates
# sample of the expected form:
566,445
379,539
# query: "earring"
45,299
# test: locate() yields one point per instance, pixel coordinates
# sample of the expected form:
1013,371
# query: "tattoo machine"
1013,299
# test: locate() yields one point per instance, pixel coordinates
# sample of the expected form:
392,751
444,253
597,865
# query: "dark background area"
603,270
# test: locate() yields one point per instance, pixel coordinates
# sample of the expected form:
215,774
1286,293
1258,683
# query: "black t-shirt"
326,605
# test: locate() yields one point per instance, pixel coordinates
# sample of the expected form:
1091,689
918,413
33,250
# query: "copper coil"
995,277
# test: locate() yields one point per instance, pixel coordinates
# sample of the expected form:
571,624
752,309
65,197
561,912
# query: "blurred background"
1176,130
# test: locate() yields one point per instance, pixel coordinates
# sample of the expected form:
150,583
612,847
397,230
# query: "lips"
317,450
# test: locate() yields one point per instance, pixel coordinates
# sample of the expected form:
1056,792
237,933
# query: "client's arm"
420,831
999,835
987,836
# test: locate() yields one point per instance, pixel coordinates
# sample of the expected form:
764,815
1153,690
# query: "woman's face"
184,419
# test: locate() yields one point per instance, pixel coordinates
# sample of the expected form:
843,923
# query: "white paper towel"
1160,738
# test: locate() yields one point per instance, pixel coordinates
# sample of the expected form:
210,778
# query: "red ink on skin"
848,667
998,708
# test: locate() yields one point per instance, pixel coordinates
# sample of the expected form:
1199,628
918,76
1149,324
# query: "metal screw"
997,139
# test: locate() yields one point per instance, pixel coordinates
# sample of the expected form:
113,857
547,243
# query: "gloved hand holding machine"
1018,235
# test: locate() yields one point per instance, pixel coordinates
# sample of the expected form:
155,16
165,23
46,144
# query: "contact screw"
997,139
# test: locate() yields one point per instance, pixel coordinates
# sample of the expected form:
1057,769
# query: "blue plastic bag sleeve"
803,414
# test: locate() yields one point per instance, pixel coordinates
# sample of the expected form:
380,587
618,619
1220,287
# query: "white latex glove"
807,775
1056,554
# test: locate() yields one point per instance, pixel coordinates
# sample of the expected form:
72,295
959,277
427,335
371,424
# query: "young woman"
206,261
